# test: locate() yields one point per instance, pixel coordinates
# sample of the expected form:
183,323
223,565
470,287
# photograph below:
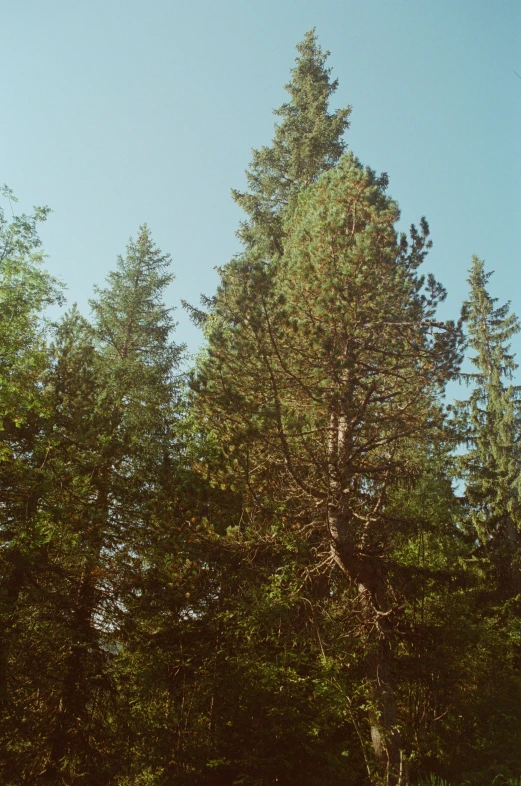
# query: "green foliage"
491,415
308,141
265,576
319,386
25,291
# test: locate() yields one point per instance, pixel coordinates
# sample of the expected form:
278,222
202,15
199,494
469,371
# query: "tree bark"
11,588
510,557
366,574
69,729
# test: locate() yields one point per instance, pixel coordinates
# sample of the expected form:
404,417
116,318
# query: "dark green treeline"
292,564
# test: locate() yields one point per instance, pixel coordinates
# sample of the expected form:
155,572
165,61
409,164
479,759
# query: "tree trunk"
366,574
512,548
10,588
68,733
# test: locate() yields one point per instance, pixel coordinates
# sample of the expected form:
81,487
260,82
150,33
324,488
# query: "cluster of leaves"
275,568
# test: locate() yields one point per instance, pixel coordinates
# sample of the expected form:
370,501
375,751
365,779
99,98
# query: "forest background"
290,564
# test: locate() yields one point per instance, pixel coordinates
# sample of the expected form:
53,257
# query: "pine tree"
318,387
491,429
324,360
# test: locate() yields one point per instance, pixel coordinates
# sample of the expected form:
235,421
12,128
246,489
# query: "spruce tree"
308,140
115,400
74,739
490,421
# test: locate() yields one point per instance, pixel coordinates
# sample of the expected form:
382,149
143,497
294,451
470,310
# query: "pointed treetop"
308,140
491,417
131,318
489,327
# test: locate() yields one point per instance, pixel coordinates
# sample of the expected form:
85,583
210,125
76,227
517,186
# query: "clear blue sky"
116,112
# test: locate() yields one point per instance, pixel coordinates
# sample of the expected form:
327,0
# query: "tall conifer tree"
321,377
491,427
308,140
115,406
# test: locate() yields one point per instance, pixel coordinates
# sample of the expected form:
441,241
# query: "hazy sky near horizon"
119,112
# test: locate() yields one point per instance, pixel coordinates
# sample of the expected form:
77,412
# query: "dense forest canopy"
291,563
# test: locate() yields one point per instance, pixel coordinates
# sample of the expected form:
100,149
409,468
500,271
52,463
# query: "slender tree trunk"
69,730
366,573
69,737
512,547
10,588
